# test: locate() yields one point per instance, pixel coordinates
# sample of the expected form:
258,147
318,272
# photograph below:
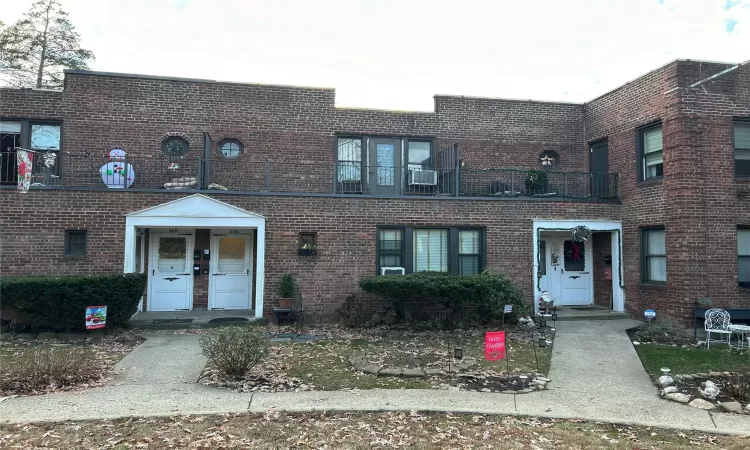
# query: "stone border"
671,392
537,383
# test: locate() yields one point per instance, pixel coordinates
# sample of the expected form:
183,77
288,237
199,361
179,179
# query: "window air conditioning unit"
422,177
392,271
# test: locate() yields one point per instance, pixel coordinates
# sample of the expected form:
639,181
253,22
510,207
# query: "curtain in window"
657,260
743,255
430,250
469,262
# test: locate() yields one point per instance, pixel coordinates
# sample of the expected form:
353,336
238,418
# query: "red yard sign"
494,345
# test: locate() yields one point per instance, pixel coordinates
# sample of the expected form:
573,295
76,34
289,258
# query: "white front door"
568,276
171,281
229,281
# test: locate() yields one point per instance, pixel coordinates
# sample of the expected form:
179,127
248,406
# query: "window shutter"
652,140
742,136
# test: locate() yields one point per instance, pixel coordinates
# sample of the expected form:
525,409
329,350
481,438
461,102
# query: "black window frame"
641,156
745,122
431,161
25,142
224,142
407,245
340,163
645,256
68,251
740,283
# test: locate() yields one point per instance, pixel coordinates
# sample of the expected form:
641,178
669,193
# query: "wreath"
536,179
581,233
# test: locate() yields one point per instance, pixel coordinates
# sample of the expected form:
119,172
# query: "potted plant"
307,250
286,291
536,182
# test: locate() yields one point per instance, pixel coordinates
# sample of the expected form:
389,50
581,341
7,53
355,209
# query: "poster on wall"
96,317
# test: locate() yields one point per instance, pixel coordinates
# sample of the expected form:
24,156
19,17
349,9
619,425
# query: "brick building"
216,189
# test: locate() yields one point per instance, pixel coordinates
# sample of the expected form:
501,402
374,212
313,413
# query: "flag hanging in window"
25,160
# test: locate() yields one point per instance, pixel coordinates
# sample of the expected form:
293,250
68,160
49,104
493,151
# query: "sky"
397,54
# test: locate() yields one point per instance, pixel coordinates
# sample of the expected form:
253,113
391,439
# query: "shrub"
233,351
738,385
487,293
286,286
39,368
351,313
62,301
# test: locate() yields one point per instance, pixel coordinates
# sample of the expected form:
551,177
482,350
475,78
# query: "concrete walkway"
595,371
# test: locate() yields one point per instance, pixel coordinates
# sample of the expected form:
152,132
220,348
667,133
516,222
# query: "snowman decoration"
116,173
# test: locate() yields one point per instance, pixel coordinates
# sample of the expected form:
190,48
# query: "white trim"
199,211
214,245
618,293
152,255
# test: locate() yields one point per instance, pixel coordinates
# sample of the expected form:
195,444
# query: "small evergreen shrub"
486,293
39,368
62,300
233,351
286,286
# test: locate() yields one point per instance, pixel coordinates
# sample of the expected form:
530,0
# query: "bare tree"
35,50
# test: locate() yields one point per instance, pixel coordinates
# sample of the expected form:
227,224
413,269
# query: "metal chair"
717,322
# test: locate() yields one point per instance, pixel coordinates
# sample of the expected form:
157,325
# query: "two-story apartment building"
216,189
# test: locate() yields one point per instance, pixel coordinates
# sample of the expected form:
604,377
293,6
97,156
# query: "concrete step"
598,316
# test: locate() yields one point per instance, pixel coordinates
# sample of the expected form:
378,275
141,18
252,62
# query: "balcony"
80,170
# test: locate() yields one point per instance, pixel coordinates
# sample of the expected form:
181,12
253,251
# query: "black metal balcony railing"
346,178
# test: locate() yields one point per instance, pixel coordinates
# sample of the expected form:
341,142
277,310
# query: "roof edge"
188,80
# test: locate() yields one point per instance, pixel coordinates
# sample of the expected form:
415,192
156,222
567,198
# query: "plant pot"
286,303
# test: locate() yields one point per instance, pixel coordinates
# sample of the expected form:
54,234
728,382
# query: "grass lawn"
325,364
353,431
718,358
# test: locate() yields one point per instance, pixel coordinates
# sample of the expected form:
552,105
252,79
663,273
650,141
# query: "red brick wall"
696,200
345,226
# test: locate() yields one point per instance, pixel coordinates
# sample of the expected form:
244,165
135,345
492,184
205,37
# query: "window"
75,242
742,149
230,148
743,256
469,255
349,157
390,248
457,250
420,155
651,148
653,255
430,251
44,137
175,146
542,271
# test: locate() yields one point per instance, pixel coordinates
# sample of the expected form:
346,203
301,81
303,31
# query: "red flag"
494,345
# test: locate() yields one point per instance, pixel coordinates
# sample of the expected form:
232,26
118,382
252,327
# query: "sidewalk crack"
515,405
250,403
712,419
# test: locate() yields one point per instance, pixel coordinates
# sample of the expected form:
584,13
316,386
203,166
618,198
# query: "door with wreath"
569,274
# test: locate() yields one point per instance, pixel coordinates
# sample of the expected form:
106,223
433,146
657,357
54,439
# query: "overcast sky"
396,54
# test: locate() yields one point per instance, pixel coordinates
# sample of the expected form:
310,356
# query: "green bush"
38,368
286,286
233,351
62,301
487,293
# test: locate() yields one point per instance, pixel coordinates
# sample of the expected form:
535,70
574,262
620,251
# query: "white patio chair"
717,322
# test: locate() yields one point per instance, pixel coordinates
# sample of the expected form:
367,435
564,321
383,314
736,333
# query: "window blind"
431,250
